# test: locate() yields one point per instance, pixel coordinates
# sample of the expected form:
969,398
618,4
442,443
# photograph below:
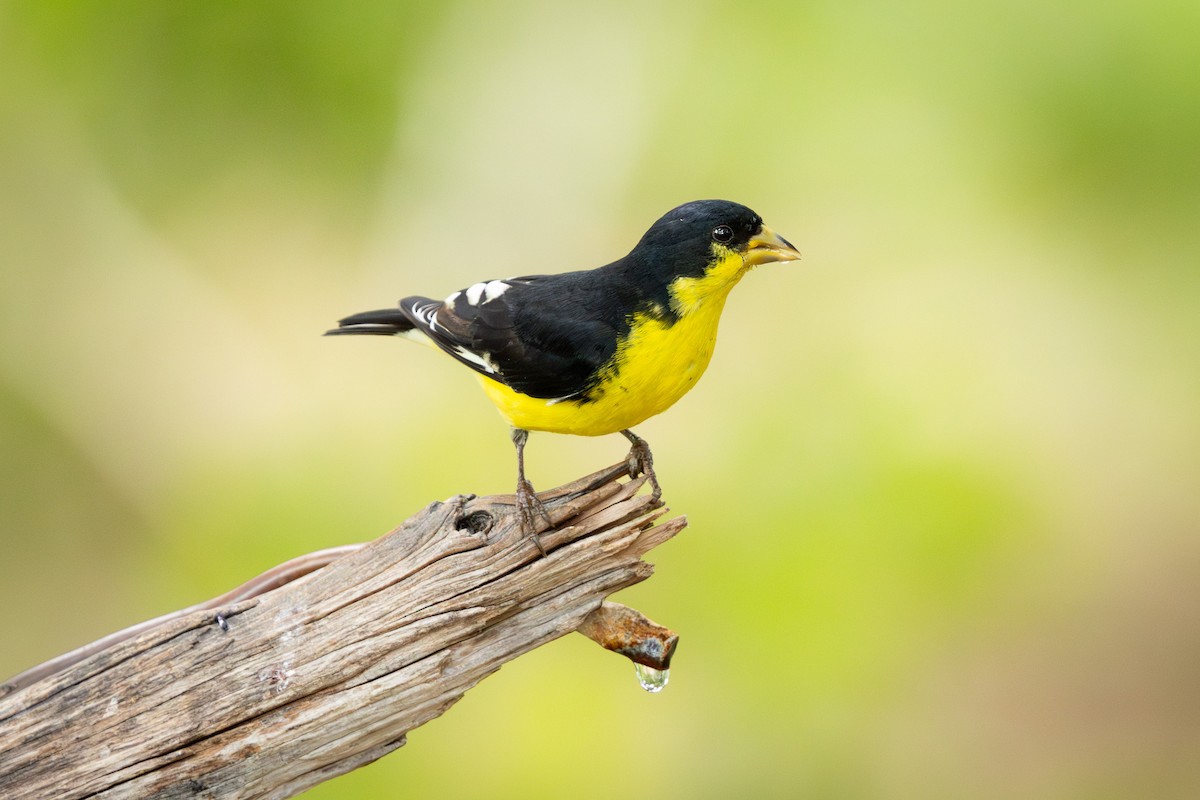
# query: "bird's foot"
532,513
641,462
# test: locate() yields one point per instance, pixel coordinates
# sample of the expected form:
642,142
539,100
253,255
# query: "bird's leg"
641,461
528,504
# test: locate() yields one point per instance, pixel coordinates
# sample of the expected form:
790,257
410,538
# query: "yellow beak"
767,246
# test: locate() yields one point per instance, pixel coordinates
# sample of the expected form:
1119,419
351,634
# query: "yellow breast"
654,366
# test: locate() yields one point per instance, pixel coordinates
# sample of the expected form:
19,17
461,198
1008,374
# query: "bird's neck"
689,295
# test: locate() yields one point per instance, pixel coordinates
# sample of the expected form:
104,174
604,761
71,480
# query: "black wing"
545,336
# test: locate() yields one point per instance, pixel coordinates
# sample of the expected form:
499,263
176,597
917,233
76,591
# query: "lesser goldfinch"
596,351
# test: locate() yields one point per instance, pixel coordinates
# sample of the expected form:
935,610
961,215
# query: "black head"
689,239
685,235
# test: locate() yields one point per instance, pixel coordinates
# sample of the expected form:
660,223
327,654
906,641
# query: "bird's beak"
767,246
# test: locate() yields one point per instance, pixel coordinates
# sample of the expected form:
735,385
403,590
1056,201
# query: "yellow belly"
655,366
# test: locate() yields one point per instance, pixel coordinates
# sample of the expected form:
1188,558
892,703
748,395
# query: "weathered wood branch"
266,696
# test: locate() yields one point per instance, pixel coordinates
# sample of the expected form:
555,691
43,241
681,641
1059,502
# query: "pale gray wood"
271,695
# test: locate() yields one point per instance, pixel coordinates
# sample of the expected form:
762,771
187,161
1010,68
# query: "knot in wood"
477,522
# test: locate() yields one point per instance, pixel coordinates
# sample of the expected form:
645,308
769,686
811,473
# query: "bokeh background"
943,475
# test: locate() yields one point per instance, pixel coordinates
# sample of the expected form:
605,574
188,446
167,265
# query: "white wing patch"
474,292
427,313
484,362
483,292
494,289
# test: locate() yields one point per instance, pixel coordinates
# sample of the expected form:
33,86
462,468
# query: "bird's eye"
722,234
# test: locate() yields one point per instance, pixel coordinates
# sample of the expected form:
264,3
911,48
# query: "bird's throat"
690,295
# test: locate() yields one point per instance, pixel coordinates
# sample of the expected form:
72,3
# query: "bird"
599,351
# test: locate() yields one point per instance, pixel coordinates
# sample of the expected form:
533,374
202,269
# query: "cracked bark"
262,695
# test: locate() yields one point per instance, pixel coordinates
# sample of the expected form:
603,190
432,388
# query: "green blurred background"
943,476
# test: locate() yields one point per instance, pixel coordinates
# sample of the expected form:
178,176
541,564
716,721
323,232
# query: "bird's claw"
530,509
641,462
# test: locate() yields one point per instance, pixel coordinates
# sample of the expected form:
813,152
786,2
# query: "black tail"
384,322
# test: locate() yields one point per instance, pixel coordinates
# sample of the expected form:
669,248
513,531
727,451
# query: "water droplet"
651,679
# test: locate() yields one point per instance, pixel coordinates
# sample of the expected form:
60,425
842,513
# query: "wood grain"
268,696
